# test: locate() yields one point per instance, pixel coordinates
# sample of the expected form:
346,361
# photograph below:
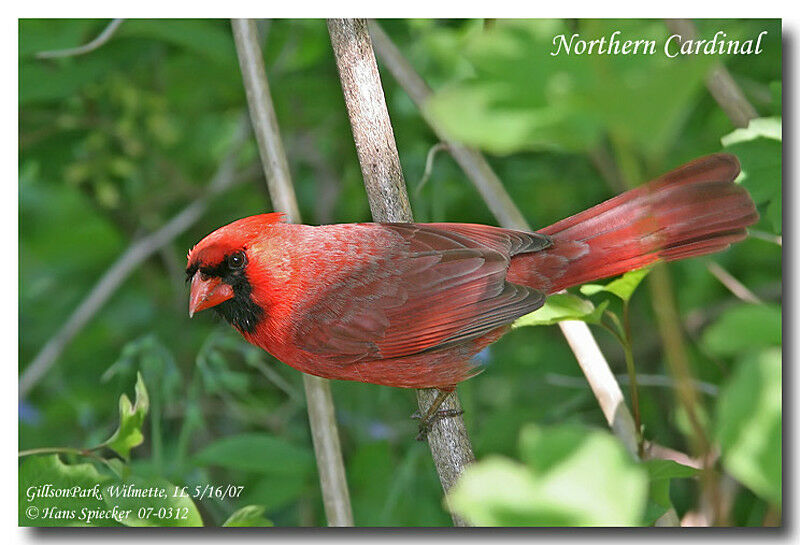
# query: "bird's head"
220,269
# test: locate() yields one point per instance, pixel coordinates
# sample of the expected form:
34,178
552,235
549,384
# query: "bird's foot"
426,423
433,413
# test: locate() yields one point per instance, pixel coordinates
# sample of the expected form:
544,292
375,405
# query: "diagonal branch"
321,413
733,284
380,165
134,256
719,81
583,344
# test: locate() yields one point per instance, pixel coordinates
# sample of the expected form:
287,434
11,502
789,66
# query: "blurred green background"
114,143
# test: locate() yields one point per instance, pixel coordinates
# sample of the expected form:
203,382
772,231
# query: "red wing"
506,241
416,287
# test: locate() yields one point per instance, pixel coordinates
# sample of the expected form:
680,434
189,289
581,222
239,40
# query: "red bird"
409,305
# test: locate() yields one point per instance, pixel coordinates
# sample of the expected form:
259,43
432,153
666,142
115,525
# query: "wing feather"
414,288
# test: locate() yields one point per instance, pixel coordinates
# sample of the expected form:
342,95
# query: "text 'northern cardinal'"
409,305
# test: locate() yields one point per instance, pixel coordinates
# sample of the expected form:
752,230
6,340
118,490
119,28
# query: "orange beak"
207,293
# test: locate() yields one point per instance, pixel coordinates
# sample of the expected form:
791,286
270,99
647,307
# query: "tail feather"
691,211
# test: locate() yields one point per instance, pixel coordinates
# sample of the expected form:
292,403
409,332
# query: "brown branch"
472,163
719,81
135,255
587,352
383,178
321,413
369,119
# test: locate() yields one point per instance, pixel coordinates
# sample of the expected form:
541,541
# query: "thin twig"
87,453
583,344
321,413
602,382
604,163
134,256
429,166
763,235
732,283
275,378
380,164
262,116
98,42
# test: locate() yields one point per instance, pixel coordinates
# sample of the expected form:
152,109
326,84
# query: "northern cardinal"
409,305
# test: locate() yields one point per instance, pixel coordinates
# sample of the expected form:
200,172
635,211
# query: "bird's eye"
236,261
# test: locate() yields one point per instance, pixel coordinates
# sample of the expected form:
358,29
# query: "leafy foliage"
258,452
39,471
98,498
522,96
749,424
623,287
561,307
558,483
660,474
742,328
759,148
131,418
172,510
247,517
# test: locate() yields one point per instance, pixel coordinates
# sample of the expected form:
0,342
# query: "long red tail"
694,210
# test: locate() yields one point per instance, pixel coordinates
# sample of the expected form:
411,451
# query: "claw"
433,414
425,425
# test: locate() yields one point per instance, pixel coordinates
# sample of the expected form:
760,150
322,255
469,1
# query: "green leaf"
47,474
660,474
776,90
519,99
249,516
258,452
762,127
561,443
759,149
131,417
371,471
273,491
623,287
40,82
522,96
573,477
119,468
774,214
744,327
658,501
500,492
749,424
205,38
668,469
560,307
160,510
